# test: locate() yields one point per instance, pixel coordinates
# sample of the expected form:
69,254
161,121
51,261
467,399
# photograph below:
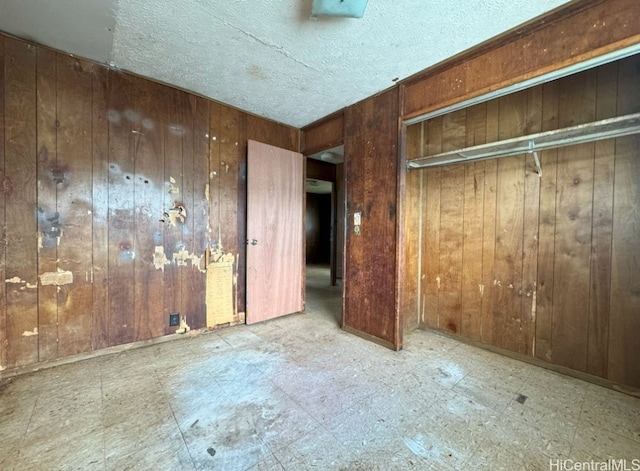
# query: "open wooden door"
275,232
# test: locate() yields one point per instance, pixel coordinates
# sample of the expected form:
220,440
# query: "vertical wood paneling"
150,319
188,306
230,122
74,205
215,129
546,232
360,171
354,188
121,247
3,179
574,201
411,232
173,201
603,171
371,139
86,161
20,202
489,229
241,212
430,312
624,321
49,224
100,210
382,214
530,228
451,226
200,216
340,224
624,325
509,228
472,289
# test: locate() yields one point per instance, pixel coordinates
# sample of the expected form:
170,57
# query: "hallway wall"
318,228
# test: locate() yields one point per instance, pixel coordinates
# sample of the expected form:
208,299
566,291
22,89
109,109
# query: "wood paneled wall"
323,134
112,188
546,267
371,168
340,221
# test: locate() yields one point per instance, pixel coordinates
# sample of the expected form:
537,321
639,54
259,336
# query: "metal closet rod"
589,132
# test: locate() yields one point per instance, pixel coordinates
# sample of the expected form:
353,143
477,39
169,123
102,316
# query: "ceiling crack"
279,49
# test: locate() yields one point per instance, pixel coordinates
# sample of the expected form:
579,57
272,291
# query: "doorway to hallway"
322,298
324,228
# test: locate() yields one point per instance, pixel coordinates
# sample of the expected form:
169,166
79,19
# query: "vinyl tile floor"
297,393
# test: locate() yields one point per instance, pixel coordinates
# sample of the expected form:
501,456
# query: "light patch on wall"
113,116
132,115
56,278
160,258
23,284
533,306
220,287
28,333
176,129
184,327
148,124
182,258
173,189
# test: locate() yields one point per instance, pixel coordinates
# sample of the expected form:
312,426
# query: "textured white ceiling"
268,57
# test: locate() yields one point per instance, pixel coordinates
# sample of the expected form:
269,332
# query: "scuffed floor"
298,393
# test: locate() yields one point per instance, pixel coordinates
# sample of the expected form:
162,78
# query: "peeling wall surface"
113,187
268,56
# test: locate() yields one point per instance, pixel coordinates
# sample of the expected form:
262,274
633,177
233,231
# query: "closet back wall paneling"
545,267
